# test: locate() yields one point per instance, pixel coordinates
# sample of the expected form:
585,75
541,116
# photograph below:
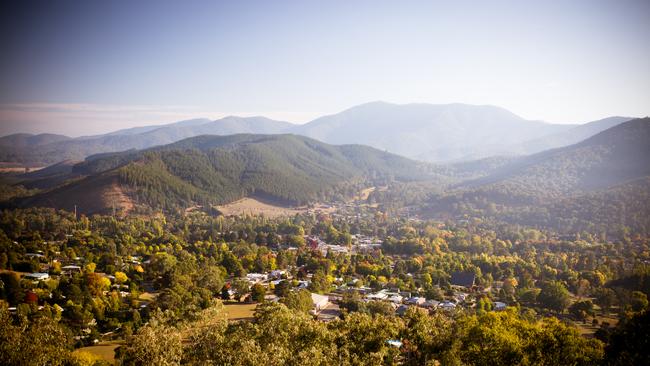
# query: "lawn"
237,311
105,350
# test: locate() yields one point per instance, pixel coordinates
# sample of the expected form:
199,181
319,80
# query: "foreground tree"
299,300
157,343
629,344
41,342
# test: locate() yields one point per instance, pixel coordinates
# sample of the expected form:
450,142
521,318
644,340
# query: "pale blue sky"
82,67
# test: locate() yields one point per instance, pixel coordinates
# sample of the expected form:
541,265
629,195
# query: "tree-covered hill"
50,149
609,158
208,170
600,185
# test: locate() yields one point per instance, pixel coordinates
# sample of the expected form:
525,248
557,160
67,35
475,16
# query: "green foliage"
154,344
554,296
319,283
299,300
209,170
629,343
257,292
42,342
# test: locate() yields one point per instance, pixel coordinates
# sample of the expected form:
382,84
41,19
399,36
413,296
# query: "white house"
419,301
37,276
499,306
395,298
70,269
319,301
381,295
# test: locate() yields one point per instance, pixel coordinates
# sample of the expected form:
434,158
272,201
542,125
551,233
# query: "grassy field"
588,330
255,207
236,311
105,350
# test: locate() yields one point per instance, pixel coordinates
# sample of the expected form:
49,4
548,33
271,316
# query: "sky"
89,67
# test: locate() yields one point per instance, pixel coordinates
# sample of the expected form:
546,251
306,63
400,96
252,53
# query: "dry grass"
253,206
105,350
115,197
236,311
588,330
363,195
148,296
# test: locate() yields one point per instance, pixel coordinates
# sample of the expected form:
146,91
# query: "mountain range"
427,132
208,170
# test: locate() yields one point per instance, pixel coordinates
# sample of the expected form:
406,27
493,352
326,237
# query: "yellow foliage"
84,358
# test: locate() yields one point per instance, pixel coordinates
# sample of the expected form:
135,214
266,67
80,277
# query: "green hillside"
207,170
600,185
612,157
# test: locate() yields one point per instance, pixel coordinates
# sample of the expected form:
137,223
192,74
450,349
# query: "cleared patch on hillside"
90,195
255,206
114,197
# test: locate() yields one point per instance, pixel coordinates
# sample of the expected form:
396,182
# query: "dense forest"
208,170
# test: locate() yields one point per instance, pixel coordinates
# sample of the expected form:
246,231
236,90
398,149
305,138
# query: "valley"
220,242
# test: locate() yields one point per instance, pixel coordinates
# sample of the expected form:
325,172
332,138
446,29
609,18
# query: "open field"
236,311
254,206
588,330
18,168
105,350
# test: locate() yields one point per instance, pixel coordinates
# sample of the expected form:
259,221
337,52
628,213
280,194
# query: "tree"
241,287
484,304
41,342
629,344
554,296
282,288
121,277
581,309
503,338
351,301
154,344
211,278
605,298
319,283
225,292
299,300
639,301
380,308
11,289
258,292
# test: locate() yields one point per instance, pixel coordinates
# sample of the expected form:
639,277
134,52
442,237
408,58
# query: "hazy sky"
83,67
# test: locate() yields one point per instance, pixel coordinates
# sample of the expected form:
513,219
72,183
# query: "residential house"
320,301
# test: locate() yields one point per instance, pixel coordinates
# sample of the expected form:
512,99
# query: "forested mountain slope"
568,137
601,185
218,169
611,157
